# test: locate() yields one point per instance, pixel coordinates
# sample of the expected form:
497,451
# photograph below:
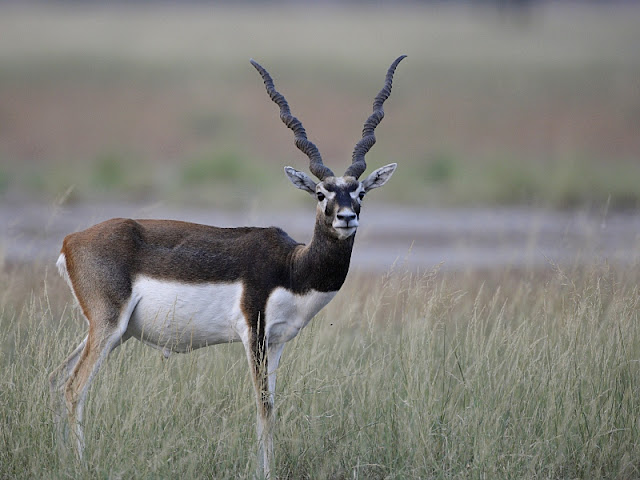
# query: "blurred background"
515,124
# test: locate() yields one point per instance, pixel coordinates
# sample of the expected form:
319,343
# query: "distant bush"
109,171
216,167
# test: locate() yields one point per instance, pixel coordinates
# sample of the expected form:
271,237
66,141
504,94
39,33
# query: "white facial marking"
356,193
288,313
328,195
179,317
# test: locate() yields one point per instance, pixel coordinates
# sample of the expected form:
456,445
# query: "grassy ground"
504,375
162,103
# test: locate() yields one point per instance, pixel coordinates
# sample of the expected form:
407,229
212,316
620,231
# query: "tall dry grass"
504,375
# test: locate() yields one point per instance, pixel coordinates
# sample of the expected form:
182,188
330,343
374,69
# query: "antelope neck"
323,264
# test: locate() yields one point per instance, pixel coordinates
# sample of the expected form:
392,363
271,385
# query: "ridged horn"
358,165
300,135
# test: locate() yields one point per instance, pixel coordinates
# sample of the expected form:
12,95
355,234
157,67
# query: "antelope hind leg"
57,380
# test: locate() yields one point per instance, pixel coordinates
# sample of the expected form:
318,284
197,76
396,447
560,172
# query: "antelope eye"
362,194
320,196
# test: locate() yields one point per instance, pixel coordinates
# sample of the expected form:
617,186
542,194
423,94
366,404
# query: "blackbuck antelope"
179,286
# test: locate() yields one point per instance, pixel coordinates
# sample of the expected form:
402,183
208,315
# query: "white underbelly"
179,317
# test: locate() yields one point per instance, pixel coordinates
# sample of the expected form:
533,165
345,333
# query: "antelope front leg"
273,359
264,380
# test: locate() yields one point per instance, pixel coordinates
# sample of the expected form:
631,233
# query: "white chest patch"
288,313
179,317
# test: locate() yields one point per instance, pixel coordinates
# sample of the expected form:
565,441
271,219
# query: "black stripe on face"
343,198
350,186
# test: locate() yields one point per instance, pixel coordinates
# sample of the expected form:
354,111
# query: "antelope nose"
346,216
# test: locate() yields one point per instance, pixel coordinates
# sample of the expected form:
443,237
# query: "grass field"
161,103
506,375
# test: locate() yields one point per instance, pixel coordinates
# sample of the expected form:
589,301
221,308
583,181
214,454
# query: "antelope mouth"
345,232
346,226
351,224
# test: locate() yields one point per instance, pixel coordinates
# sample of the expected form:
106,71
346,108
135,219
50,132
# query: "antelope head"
339,197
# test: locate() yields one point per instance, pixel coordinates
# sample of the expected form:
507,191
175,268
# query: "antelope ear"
379,177
301,180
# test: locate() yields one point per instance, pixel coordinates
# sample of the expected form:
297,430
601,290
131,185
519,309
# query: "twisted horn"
358,165
300,135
